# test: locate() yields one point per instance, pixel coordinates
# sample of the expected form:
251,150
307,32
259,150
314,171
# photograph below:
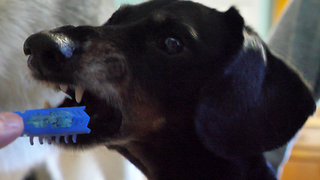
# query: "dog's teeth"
63,88
78,94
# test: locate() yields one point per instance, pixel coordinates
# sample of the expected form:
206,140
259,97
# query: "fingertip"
11,127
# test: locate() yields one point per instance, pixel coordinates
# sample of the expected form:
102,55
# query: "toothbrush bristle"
49,140
74,138
66,139
57,139
41,140
31,140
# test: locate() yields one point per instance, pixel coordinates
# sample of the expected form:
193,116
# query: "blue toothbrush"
46,123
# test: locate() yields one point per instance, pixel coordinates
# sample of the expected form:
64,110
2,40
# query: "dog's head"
174,64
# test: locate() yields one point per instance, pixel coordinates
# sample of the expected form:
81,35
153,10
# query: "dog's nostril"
26,49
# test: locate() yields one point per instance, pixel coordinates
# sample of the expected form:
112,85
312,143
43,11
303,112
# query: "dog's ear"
234,20
256,105
234,24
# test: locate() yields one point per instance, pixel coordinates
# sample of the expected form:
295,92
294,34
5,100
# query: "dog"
181,90
19,92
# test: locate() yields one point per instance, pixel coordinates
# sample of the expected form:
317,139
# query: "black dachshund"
181,90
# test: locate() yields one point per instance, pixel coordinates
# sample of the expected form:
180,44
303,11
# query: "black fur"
181,90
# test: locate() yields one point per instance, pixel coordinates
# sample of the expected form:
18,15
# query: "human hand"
11,127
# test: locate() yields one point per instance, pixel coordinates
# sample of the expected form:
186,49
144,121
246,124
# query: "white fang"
78,94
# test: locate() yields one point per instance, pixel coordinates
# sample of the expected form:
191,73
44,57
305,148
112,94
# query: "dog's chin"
105,120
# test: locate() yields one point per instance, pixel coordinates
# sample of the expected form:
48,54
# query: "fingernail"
10,121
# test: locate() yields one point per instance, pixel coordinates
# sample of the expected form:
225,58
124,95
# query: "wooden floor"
304,162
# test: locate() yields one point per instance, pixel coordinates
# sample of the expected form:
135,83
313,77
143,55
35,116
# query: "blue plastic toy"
46,123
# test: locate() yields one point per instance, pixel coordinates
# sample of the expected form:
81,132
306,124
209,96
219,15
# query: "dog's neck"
168,154
177,153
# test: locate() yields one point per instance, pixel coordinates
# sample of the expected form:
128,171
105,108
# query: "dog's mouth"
105,120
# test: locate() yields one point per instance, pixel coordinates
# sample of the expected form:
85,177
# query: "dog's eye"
171,45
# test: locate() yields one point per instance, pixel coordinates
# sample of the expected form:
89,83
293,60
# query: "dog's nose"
45,43
48,48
